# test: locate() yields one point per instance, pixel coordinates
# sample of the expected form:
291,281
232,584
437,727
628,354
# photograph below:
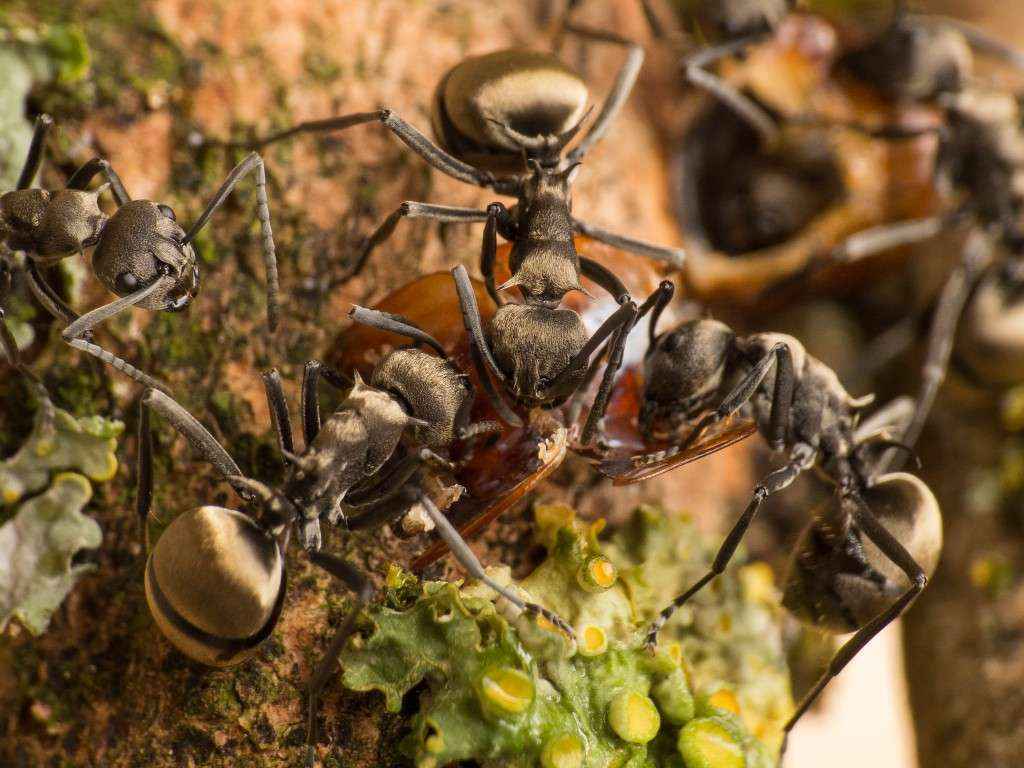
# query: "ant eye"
167,211
126,283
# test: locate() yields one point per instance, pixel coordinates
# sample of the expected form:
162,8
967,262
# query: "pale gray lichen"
50,476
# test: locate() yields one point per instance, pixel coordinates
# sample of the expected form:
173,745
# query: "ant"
355,470
846,571
141,253
914,57
543,359
542,353
491,112
980,167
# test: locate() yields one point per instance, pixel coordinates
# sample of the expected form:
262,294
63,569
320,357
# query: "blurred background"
149,84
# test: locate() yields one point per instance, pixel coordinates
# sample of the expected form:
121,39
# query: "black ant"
356,470
141,253
491,112
869,552
981,168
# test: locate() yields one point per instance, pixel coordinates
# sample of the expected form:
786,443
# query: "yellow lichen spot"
707,743
675,652
545,623
593,641
597,574
434,743
1011,470
758,583
563,751
506,691
107,472
725,699
1013,409
45,447
10,494
634,717
725,624
394,579
981,573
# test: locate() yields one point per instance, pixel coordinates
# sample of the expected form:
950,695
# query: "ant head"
684,371
52,223
141,243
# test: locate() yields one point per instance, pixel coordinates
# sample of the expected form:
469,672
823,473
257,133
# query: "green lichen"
85,445
503,690
36,548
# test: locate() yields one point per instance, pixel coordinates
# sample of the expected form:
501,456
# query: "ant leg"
623,317
75,333
311,375
605,278
624,82
674,257
866,243
778,356
661,298
185,424
408,135
354,579
489,249
483,360
465,557
875,240
252,162
409,210
656,301
888,421
278,406
698,74
189,427
34,158
600,404
383,489
80,179
144,470
801,459
896,553
47,296
10,348
977,256
386,321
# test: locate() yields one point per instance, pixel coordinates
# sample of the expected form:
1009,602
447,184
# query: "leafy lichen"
501,690
48,529
36,548
85,445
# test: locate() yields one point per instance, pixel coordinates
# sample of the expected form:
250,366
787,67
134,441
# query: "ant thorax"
823,413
